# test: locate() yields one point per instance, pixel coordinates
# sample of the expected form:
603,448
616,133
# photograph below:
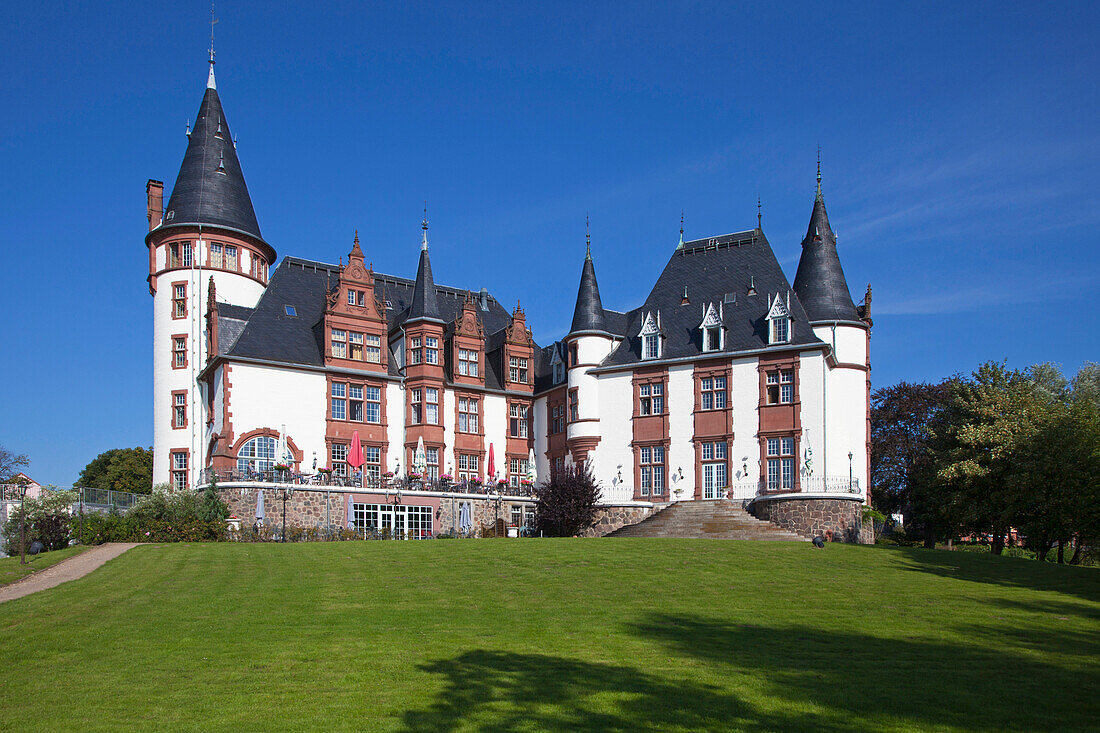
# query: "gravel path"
66,570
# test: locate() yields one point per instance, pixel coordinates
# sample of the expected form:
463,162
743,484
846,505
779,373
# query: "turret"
207,237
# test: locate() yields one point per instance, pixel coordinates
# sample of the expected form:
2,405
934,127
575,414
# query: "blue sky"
961,160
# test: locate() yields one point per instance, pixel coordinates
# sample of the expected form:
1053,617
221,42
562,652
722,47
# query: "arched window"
258,454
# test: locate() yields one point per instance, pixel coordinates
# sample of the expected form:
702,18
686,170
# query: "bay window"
431,407
431,350
339,343
467,362
517,369
339,408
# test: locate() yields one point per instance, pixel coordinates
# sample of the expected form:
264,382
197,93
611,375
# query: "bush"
47,520
163,516
567,502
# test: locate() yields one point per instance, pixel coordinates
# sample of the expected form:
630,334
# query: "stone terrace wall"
610,518
840,519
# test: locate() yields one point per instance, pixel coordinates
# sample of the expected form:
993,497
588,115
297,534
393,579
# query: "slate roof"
210,187
231,321
819,282
271,335
714,270
425,301
588,314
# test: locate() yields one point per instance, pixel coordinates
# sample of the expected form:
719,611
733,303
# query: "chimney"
154,192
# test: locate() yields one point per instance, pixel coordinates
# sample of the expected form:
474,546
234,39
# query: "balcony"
369,483
806,485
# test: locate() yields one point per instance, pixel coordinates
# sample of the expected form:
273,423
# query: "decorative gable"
651,335
467,323
713,337
779,319
779,308
651,324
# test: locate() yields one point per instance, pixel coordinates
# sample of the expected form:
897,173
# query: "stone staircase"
716,519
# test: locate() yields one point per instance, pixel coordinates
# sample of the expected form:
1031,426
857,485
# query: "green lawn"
11,570
608,634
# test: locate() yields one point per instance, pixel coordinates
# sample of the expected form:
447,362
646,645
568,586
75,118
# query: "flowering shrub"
163,516
281,467
446,477
414,476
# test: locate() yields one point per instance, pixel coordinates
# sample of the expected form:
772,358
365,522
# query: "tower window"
179,300
179,352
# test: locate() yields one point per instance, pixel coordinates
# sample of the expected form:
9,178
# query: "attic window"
171,215
290,310
389,305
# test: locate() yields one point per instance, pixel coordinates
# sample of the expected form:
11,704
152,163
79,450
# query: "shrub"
163,516
47,520
567,502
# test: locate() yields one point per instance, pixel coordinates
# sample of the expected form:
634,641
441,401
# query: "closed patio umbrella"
260,507
355,452
532,474
491,469
420,458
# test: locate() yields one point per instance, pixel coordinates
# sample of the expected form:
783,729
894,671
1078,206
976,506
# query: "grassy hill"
608,634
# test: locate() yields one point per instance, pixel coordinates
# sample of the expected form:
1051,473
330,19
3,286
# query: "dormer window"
711,327
779,320
651,336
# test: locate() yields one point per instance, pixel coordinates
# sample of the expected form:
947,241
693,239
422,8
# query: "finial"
210,84
424,227
681,245
356,236
759,214
819,171
587,238
188,129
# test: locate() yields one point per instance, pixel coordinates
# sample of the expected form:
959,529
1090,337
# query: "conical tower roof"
819,282
588,314
210,187
425,300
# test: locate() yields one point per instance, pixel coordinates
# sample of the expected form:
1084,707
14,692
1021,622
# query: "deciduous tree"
120,469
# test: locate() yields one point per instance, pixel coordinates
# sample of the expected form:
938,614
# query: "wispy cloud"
970,299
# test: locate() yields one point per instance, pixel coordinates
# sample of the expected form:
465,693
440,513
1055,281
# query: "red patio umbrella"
491,469
355,452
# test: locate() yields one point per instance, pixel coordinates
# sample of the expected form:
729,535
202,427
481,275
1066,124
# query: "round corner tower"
205,249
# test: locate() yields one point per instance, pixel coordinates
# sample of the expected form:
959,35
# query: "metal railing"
369,482
806,485
106,499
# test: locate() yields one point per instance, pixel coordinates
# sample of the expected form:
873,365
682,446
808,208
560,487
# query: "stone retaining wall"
611,518
837,520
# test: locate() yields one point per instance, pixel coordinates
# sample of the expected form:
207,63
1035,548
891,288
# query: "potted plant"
446,479
280,471
414,476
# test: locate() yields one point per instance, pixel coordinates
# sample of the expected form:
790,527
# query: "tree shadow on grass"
1080,582
502,691
914,682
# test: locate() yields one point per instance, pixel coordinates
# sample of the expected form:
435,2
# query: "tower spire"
759,215
587,238
424,228
818,173
681,244
210,83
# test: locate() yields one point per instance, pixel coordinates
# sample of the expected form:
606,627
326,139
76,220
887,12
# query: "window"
230,257
651,464
355,346
372,399
712,338
290,310
408,522
431,350
215,255
467,362
557,419
431,408
416,398
373,348
574,406
339,343
338,459
362,297
179,300
517,515
372,462
651,400
517,471
339,401
714,470
559,372
431,460
712,393
517,420
257,455
780,464
517,369
179,409
468,466
179,470
467,414
573,361
185,254
414,350
179,255
179,352
781,330
355,402
780,387
650,346
351,297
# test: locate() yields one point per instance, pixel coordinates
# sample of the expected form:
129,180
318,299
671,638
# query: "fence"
377,483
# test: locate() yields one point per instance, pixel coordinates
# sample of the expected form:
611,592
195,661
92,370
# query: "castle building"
728,382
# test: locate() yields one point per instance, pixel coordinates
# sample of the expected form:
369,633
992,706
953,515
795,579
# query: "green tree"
902,417
121,469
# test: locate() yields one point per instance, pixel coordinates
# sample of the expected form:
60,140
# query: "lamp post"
849,472
286,491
